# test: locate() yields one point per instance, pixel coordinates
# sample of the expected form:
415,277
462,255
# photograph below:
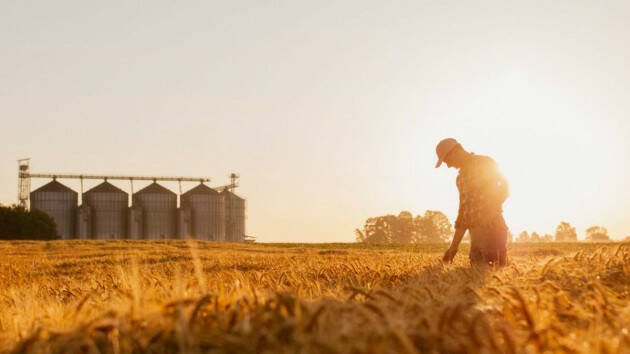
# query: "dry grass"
167,296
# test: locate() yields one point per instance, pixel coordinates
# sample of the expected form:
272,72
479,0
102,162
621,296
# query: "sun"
555,154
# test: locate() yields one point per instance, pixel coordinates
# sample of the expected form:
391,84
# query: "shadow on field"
438,310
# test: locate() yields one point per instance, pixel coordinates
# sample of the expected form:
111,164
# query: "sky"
329,110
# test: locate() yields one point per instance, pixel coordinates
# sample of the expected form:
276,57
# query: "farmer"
482,191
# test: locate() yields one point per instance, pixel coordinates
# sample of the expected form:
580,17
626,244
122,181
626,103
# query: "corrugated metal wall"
60,203
208,210
234,217
220,210
184,220
109,206
159,209
134,222
84,222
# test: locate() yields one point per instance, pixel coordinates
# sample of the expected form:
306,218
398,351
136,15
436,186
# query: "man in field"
482,191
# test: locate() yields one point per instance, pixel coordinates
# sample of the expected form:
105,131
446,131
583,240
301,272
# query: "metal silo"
159,209
60,202
183,223
134,222
108,204
207,212
84,222
234,217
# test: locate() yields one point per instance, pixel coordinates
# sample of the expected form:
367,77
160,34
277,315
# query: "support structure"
24,182
230,187
25,175
116,177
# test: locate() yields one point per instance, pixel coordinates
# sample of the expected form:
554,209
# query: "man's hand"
449,254
457,238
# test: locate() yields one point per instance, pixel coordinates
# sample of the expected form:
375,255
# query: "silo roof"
106,187
231,195
155,188
54,186
201,189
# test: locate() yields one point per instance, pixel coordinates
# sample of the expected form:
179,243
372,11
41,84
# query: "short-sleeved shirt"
482,191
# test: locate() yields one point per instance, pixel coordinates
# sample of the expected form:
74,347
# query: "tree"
535,237
375,230
597,234
523,237
565,232
17,223
547,238
434,226
402,228
359,235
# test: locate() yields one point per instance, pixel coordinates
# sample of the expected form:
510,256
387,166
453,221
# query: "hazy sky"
329,110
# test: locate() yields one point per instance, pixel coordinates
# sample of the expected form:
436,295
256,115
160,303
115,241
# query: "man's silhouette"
482,191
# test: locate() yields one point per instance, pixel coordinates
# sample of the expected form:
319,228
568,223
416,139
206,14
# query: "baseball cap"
443,148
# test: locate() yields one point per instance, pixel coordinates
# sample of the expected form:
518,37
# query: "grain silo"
234,217
134,222
109,206
60,203
159,209
184,219
207,213
84,222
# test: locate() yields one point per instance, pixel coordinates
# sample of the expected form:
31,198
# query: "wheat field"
187,296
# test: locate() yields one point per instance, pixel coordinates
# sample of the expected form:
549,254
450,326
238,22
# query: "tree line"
404,228
566,233
17,223
435,227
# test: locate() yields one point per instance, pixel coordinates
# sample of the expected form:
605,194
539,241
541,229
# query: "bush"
16,223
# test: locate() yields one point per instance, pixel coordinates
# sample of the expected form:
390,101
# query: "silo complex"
159,211
207,210
109,207
204,213
60,203
234,217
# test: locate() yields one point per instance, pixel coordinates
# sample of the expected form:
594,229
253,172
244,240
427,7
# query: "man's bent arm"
457,238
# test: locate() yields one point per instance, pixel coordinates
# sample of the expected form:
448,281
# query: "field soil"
187,296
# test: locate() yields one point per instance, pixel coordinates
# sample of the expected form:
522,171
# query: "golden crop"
167,296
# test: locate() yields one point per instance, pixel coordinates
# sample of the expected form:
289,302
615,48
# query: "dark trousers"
487,246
